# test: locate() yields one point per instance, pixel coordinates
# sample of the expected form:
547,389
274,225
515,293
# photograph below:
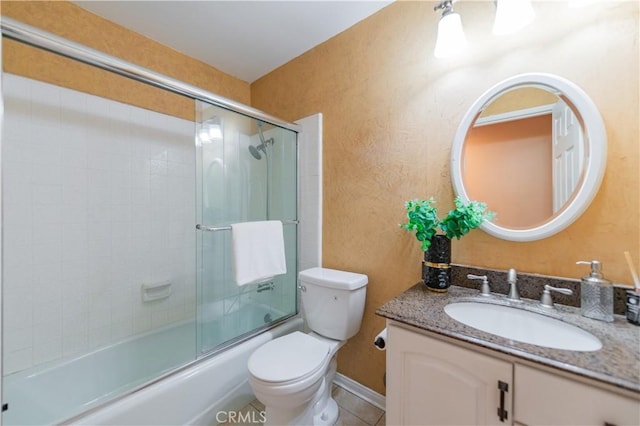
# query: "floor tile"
357,406
348,419
257,405
354,411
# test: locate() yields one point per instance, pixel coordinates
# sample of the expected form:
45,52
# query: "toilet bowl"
293,374
289,376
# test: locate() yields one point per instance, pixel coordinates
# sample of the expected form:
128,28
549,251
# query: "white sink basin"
523,326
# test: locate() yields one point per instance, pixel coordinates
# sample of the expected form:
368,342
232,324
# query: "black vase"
436,268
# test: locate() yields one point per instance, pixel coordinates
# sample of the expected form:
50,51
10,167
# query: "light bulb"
451,39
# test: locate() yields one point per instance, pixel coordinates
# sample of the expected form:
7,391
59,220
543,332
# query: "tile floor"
354,411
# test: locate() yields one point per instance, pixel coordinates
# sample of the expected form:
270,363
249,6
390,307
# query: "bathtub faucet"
266,287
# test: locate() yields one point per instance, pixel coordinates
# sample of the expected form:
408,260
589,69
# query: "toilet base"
296,415
329,416
326,411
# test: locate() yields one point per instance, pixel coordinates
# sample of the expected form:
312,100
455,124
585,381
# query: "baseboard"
360,390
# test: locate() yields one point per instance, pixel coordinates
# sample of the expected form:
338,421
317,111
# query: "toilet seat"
288,358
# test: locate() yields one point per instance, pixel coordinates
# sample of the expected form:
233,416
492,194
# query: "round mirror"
534,148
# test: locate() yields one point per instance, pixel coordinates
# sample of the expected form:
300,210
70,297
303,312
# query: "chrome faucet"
547,301
485,290
512,279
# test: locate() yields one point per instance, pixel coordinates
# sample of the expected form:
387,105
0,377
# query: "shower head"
255,150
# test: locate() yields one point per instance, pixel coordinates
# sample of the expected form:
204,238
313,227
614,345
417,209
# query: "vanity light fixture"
451,39
512,16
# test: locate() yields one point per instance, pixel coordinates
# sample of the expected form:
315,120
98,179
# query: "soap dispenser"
596,294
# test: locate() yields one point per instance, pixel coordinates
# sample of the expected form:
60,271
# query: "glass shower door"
246,171
98,272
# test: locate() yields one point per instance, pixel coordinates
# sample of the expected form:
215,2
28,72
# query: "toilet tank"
333,301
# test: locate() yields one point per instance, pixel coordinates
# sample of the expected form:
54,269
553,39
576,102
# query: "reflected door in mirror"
567,154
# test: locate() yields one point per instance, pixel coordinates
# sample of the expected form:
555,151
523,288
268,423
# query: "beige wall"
74,23
391,111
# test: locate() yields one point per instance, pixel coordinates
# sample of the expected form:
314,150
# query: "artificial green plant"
423,219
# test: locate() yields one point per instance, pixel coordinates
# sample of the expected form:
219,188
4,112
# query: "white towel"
258,251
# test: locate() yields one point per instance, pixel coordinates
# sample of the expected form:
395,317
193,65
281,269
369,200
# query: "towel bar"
228,228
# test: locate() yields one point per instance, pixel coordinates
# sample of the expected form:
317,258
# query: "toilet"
293,374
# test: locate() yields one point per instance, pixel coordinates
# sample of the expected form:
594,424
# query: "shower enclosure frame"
23,33
32,36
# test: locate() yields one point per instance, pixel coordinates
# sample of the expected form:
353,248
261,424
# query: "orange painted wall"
391,111
74,23
508,166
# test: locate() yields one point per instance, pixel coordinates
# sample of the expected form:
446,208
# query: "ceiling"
246,39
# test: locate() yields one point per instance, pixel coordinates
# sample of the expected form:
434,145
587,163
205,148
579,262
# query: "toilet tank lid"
334,278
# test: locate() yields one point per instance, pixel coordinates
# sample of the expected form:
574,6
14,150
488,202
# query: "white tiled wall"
98,199
310,192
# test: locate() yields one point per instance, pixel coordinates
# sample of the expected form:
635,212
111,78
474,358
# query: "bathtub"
191,395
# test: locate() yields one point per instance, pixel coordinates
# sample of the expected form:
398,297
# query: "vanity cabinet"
433,382
542,398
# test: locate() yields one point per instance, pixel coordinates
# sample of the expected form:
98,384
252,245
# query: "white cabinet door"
541,398
431,382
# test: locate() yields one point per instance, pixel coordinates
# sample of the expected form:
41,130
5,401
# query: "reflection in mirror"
523,156
533,147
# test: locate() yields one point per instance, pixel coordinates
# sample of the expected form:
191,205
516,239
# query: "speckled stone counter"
617,363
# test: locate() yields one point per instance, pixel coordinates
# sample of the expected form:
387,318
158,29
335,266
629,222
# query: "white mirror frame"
595,154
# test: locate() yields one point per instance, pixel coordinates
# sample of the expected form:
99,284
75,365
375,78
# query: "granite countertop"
617,363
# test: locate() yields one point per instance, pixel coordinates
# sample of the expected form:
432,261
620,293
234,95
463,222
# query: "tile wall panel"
98,199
